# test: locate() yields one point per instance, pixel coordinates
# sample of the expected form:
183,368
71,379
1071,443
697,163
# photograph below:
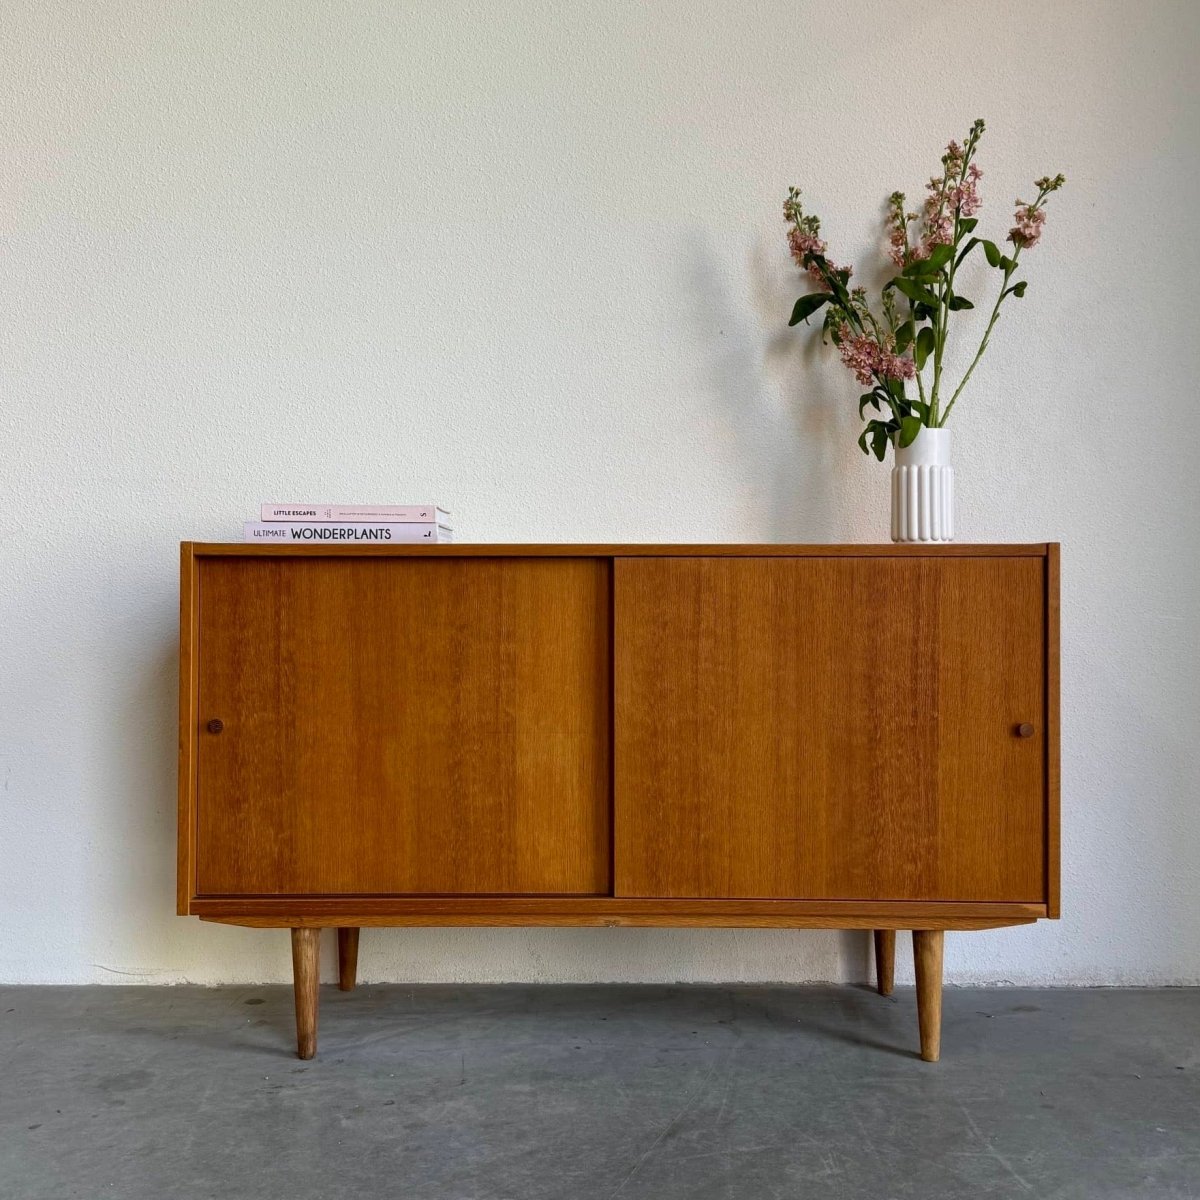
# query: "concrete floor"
597,1093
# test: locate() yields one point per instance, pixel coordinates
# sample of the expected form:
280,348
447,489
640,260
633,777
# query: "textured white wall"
527,259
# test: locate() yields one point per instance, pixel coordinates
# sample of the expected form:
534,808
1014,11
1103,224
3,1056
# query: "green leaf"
807,305
879,442
914,291
1007,263
958,303
865,399
862,441
992,251
909,428
1018,289
922,410
837,279
965,251
967,225
924,347
830,326
904,337
939,256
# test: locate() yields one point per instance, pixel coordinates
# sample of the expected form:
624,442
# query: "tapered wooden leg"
347,958
885,960
306,946
927,953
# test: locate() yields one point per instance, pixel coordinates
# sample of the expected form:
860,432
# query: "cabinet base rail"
927,956
354,912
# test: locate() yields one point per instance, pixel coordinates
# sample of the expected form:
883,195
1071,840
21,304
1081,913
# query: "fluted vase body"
923,489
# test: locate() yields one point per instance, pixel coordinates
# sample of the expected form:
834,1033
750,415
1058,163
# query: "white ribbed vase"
923,489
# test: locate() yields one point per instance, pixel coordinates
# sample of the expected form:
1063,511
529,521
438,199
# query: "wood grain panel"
403,725
830,728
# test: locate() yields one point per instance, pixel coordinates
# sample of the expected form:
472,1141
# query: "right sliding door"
857,728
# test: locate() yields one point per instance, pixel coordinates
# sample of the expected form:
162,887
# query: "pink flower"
954,194
895,366
898,220
1028,228
964,196
939,222
869,359
802,243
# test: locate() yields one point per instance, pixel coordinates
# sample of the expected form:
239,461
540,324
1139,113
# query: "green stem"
912,316
946,294
987,333
983,345
891,400
942,323
939,341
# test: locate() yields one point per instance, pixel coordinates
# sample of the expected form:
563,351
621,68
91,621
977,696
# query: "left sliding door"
402,725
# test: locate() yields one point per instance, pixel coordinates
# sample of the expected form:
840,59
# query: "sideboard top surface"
627,550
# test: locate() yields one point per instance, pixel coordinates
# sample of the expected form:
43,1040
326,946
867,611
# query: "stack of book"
350,524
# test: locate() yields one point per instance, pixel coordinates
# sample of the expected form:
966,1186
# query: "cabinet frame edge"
1053,762
189,685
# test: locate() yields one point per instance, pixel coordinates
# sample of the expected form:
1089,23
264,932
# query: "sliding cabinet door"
833,728
403,725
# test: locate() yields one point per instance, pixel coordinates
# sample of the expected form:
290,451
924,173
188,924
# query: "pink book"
376,513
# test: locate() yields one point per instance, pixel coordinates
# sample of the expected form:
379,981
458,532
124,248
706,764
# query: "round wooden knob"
215,725
1025,730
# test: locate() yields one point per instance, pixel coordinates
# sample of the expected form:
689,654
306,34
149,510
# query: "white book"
377,514
294,533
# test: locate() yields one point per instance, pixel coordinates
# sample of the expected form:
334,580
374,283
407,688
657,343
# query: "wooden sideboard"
833,737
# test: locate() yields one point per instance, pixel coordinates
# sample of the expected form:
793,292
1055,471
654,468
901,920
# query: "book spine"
367,533
334,513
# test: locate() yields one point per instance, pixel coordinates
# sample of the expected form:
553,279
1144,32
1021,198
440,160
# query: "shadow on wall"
782,414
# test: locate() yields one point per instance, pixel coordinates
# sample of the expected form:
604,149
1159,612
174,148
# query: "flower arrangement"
908,339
